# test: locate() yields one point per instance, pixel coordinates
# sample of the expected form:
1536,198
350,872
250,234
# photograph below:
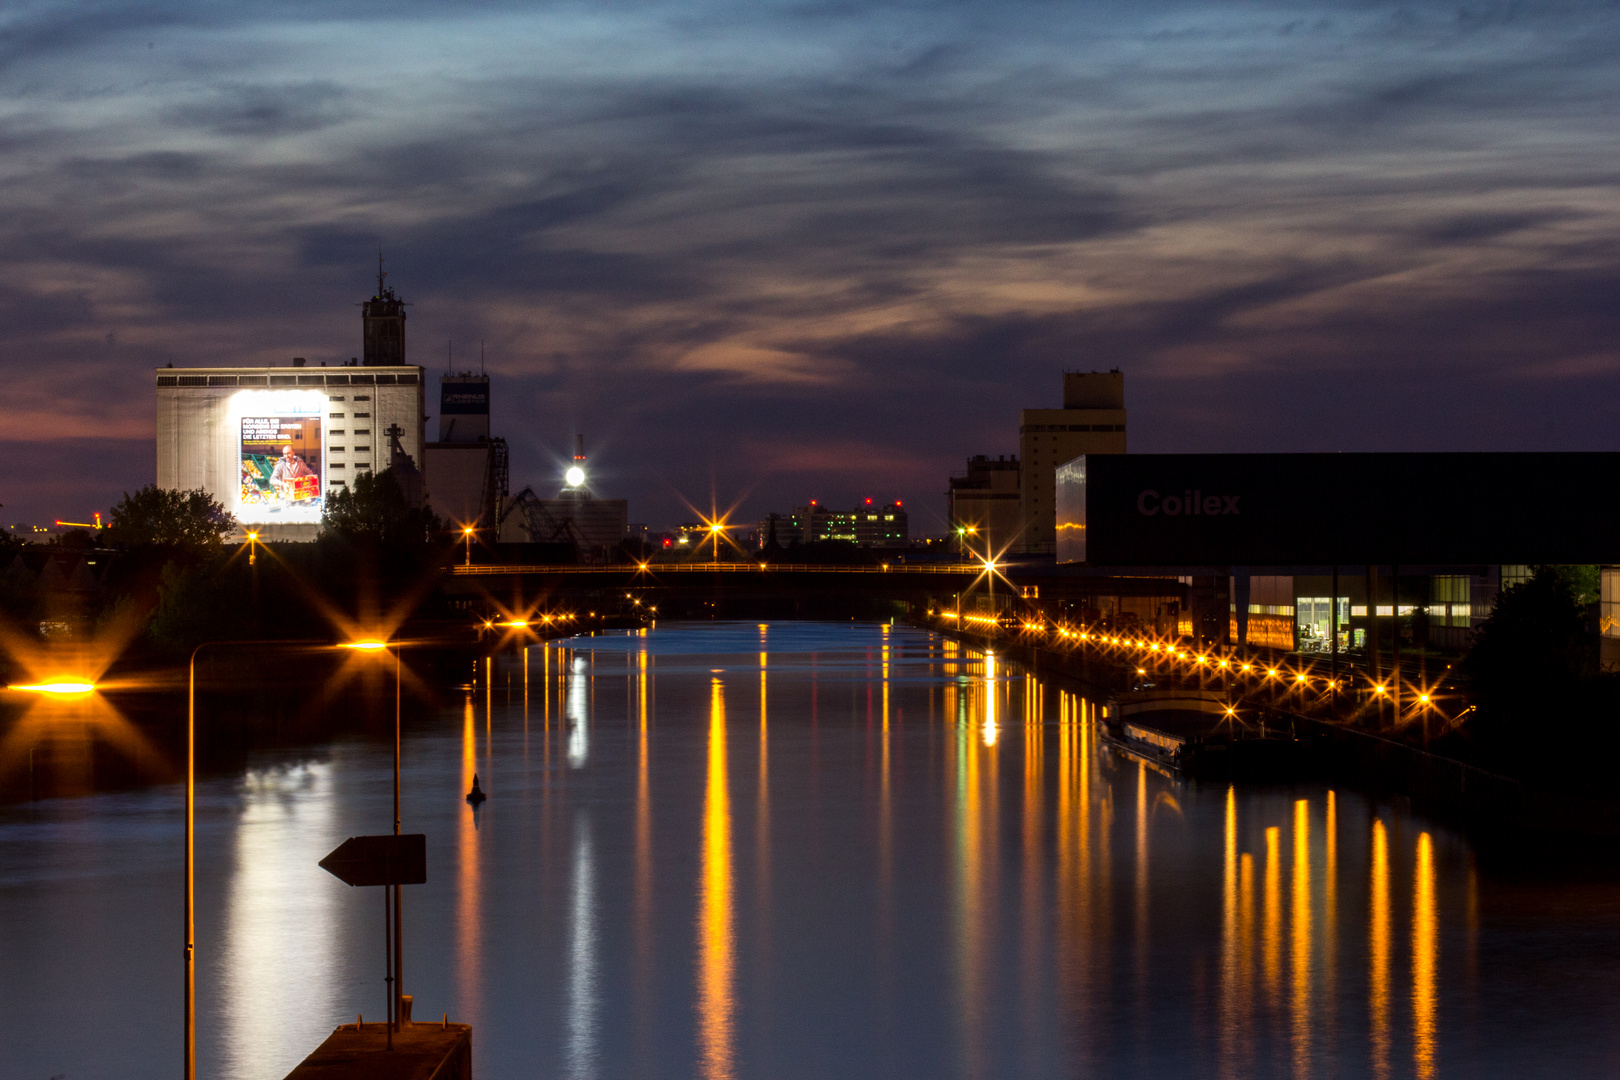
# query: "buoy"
476,795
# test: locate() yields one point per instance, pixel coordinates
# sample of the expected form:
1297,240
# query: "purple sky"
782,251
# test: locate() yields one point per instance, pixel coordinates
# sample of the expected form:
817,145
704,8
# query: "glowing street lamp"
467,535
253,548
61,688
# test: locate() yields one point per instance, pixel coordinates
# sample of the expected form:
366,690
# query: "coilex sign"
1150,503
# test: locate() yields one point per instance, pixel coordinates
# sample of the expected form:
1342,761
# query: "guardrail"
654,569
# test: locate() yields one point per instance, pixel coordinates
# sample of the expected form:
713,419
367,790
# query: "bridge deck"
656,569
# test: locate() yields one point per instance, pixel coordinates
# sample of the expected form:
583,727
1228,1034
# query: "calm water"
797,851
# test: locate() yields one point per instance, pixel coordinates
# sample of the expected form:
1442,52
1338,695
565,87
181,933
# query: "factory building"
271,443
1331,552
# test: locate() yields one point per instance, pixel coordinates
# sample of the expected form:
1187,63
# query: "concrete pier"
421,1052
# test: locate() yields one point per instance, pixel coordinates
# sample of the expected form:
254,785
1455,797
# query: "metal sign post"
389,861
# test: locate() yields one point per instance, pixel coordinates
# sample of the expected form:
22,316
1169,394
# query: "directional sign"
379,860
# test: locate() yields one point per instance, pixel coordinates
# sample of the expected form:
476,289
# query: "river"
795,850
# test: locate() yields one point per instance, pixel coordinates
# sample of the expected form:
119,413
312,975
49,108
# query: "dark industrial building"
1309,546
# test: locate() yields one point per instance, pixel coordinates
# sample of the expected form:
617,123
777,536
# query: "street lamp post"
467,535
397,995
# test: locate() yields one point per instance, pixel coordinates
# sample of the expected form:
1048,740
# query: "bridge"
714,587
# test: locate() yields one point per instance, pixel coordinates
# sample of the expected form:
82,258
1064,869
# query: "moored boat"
1197,733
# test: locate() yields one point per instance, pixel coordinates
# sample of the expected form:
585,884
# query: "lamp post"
398,994
467,535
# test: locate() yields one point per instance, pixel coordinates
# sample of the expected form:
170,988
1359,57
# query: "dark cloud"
820,249
265,111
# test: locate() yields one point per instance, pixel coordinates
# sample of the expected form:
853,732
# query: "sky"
762,252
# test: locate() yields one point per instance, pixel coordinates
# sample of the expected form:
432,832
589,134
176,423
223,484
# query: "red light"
897,502
868,502
812,502
668,542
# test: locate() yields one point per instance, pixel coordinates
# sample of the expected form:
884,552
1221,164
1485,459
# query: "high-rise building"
383,321
983,507
868,525
882,526
1092,421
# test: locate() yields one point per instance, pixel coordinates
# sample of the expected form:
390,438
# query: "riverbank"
249,696
1499,809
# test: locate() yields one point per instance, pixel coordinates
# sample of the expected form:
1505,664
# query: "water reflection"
885,917
1299,918
1425,943
716,943
579,713
582,959
280,925
643,871
469,881
1378,935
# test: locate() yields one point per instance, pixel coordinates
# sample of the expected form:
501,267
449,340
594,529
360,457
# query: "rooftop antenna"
481,370
449,355
381,273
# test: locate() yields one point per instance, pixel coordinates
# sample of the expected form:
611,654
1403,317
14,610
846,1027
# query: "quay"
1508,809
421,1052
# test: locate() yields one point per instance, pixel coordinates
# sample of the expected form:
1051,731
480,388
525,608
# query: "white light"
575,476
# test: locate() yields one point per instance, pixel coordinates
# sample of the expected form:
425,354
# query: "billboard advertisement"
280,455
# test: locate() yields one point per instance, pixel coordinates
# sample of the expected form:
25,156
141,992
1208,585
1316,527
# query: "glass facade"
1314,622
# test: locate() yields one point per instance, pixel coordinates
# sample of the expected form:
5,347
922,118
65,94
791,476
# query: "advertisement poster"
281,469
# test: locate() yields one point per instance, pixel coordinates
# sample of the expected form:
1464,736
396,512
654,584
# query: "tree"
1533,660
165,516
375,510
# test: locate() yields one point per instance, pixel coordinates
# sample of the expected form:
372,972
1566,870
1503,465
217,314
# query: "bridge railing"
655,569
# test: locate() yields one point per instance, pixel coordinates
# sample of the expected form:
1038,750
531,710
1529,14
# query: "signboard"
1347,509
458,397
280,456
379,860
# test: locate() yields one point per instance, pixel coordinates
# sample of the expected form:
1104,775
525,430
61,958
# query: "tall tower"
463,408
575,476
383,317
1092,421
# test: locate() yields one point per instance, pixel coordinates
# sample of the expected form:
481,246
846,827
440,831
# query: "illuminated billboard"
280,455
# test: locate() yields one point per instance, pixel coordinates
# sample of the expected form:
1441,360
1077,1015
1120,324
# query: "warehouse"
270,444
1315,548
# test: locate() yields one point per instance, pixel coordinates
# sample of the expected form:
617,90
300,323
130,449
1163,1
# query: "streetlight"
57,689
253,548
467,535
371,646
